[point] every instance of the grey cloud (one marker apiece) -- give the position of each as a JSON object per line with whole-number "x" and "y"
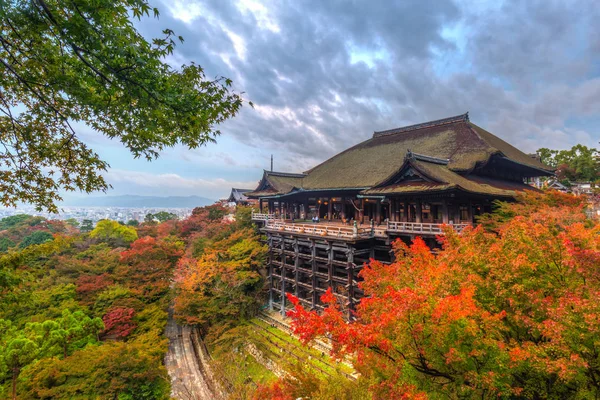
{"x": 524, "y": 69}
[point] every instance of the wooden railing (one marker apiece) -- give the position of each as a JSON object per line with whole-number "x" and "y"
{"x": 318, "y": 229}
{"x": 355, "y": 232}
{"x": 421, "y": 228}
{"x": 262, "y": 216}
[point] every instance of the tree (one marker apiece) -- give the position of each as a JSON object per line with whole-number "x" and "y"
{"x": 580, "y": 163}
{"x": 162, "y": 216}
{"x": 508, "y": 313}
{"x": 17, "y": 353}
{"x": 73, "y": 222}
{"x": 84, "y": 61}
{"x": 73, "y": 330}
{"x": 118, "y": 322}
{"x": 37, "y": 237}
{"x": 148, "y": 266}
{"x": 113, "y": 232}
{"x": 114, "y": 370}
{"x": 87, "y": 225}
{"x": 224, "y": 284}
{"x": 5, "y": 244}
{"x": 133, "y": 222}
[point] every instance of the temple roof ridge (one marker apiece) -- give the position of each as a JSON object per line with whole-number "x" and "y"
{"x": 422, "y": 157}
{"x": 444, "y": 121}
{"x": 285, "y": 174}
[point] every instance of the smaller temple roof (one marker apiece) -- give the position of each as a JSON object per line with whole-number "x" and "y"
{"x": 238, "y": 195}
{"x": 275, "y": 183}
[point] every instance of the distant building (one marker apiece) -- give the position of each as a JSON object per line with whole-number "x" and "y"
{"x": 556, "y": 185}
{"x": 238, "y": 197}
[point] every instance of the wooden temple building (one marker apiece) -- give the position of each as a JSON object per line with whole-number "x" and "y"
{"x": 238, "y": 196}
{"x": 324, "y": 224}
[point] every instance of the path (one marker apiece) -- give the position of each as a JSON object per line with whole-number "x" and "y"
{"x": 191, "y": 377}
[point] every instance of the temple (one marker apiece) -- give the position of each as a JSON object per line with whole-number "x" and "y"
{"x": 324, "y": 224}
{"x": 238, "y": 196}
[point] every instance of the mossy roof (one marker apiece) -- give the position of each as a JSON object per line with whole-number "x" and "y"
{"x": 276, "y": 183}
{"x": 463, "y": 144}
{"x": 438, "y": 177}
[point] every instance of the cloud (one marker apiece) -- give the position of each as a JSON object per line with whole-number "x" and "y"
{"x": 325, "y": 74}
{"x": 167, "y": 184}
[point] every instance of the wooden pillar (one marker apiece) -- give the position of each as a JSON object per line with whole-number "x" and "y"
{"x": 470, "y": 209}
{"x": 313, "y": 259}
{"x": 260, "y": 206}
{"x": 361, "y": 213}
{"x": 350, "y": 281}
{"x": 283, "y": 272}
{"x": 419, "y": 212}
{"x": 329, "y": 209}
{"x": 305, "y": 205}
{"x": 296, "y": 264}
{"x": 271, "y": 279}
{"x": 329, "y": 263}
{"x": 406, "y": 205}
{"x": 378, "y": 212}
{"x": 457, "y": 213}
{"x": 343, "y": 208}
{"x": 445, "y": 217}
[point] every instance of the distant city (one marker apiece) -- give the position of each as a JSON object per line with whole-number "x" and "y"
{"x": 95, "y": 214}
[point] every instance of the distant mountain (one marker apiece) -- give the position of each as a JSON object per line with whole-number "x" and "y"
{"x": 141, "y": 201}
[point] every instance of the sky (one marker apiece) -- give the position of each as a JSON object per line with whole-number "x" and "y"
{"x": 324, "y": 75}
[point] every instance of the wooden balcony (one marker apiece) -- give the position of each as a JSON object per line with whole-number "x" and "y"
{"x": 330, "y": 230}
{"x": 262, "y": 216}
{"x": 419, "y": 228}
{"x": 345, "y": 232}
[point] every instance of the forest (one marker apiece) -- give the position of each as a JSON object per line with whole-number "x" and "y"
{"x": 82, "y": 315}
{"x": 508, "y": 309}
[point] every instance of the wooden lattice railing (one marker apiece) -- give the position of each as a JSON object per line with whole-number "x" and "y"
{"x": 421, "y": 228}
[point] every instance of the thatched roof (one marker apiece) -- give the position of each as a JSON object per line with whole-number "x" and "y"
{"x": 463, "y": 146}
{"x": 276, "y": 183}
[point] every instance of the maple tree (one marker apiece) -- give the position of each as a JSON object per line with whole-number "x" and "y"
{"x": 118, "y": 322}
{"x": 224, "y": 284}
{"x": 513, "y": 311}
{"x": 148, "y": 265}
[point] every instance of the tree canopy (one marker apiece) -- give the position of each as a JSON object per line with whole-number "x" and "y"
{"x": 69, "y": 63}
{"x": 511, "y": 312}
{"x": 580, "y": 163}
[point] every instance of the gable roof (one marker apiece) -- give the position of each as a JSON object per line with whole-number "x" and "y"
{"x": 461, "y": 144}
{"x": 438, "y": 177}
{"x": 275, "y": 183}
{"x": 238, "y": 195}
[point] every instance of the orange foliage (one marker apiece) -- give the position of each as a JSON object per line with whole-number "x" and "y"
{"x": 493, "y": 314}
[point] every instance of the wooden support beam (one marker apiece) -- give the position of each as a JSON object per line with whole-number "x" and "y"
{"x": 313, "y": 258}
{"x": 470, "y": 211}
{"x": 419, "y": 212}
{"x": 350, "y": 268}
{"x": 361, "y": 213}
{"x": 445, "y": 217}
{"x": 283, "y": 272}
{"x": 329, "y": 209}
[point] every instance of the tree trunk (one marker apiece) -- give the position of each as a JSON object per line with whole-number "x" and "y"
{"x": 15, "y": 375}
